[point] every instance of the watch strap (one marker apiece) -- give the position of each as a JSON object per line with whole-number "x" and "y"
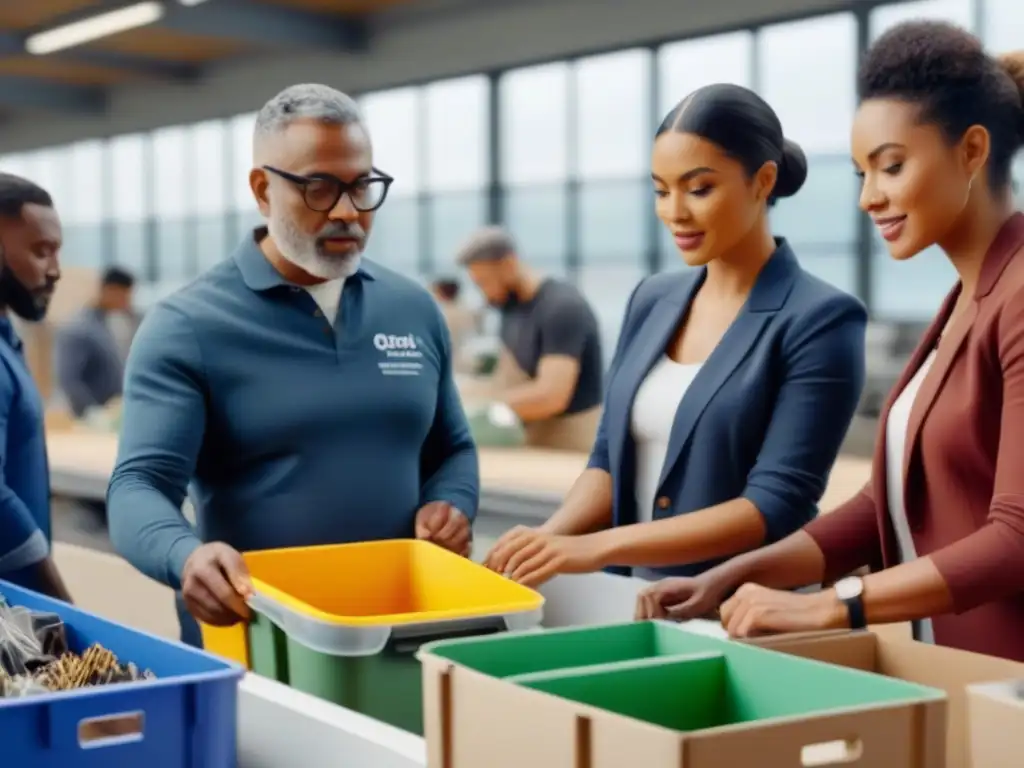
{"x": 855, "y": 607}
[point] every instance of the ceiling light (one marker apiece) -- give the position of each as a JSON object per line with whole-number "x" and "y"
{"x": 191, "y": 2}
{"x": 94, "y": 27}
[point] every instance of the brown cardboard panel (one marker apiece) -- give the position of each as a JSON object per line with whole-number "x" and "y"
{"x": 886, "y": 737}
{"x": 996, "y": 724}
{"x": 946, "y": 668}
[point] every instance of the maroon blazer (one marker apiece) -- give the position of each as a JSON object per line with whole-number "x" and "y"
{"x": 964, "y": 465}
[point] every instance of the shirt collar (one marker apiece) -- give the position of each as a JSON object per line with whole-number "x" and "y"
{"x": 259, "y": 274}
{"x": 8, "y": 335}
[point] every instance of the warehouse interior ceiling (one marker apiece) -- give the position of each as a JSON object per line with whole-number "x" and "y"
{"x": 184, "y": 38}
{"x": 206, "y": 59}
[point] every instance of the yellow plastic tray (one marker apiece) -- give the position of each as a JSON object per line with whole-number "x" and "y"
{"x": 374, "y": 584}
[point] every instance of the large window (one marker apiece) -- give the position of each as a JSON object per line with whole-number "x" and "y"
{"x": 244, "y": 213}
{"x": 819, "y": 54}
{"x": 173, "y": 188}
{"x": 84, "y": 209}
{"x": 129, "y": 198}
{"x": 394, "y": 119}
{"x": 534, "y": 161}
{"x": 456, "y": 159}
{"x": 209, "y": 192}
{"x": 1002, "y": 22}
{"x": 613, "y": 139}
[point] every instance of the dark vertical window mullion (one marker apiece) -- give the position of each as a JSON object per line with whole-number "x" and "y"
{"x": 495, "y": 196}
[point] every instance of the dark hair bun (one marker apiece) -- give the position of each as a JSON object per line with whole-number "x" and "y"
{"x": 1013, "y": 65}
{"x": 792, "y": 170}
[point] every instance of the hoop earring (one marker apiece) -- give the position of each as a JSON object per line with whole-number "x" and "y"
{"x": 970, "y": 185}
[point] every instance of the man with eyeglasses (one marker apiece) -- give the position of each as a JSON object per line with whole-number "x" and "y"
{"x": 305, "y": 392}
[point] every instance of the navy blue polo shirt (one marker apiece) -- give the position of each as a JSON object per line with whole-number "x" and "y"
{"x": 25, "y": 478}
{"x": 293, "y": 431}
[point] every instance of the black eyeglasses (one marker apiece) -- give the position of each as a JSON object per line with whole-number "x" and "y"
{"x": 323, "y": 191}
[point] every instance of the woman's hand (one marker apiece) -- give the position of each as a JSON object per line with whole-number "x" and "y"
{"x": 682, "y": 598}
{"x": 756, "y": 610}
{"x": 531, "y": 557}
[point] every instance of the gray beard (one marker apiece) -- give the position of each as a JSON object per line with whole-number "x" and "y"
{"x": 302, "y": 251}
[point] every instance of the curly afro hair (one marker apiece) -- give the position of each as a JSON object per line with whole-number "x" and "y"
{"x": 946, "y": 70}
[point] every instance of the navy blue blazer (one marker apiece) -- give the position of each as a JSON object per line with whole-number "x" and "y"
{"x": 767, "y": 412}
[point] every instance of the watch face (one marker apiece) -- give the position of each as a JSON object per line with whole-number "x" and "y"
{"x": 848, "y": 589}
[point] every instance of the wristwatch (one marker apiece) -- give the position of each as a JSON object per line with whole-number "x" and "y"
{"x": 851, "y": 592}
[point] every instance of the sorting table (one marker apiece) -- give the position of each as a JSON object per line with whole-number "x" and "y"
{"x": 518, "y": 485}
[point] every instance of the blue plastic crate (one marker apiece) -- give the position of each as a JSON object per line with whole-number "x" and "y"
{"x": 186, "y": 718}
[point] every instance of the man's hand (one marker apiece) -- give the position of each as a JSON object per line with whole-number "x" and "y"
{"x": 216, "y": 584}
{"x": 445, "y": 526}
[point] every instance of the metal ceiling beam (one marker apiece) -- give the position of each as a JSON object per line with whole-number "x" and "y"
{"x": 268, "y": 25}
{"x": 12, "y": 44}
{"x": 36, "y": 93}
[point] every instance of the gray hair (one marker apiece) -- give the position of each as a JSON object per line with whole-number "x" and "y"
{"x": 307, "y": 101}
{"x": 489, "y": 244}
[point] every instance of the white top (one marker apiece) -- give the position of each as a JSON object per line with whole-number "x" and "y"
{"x": 654, "y": 410}
{"x": 327, "y": 296}
{"x": 895, "y": 447}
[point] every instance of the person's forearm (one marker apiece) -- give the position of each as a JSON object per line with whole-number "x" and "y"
{"x": 719, "y": 531}
{"x": 50, "y": 581}
{"x": 794, "y": 562}
{"x": 915, "y": 590}
{"x": 532, "y": 401}
{"x": 457, "y": 481}
{"x": 148, "y": 529}
{"x": 586, "y": 508}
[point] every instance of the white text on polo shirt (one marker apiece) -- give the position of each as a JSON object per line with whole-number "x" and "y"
{"x": 402, "y": 353}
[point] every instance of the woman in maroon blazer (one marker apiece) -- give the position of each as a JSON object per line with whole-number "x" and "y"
{"x": 941, "y": 523}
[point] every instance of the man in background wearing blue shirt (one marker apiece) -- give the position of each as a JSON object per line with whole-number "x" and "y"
{"x": 30, "y": 241}
{"x": 305, "y": 392}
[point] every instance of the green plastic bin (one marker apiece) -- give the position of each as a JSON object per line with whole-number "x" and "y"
{"x": 524, "y": 653}
{"x": 713, "y": 689}
{"x": 386, "y": 686}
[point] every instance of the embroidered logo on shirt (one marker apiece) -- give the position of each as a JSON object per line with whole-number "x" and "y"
{"x": 401, "y": 354}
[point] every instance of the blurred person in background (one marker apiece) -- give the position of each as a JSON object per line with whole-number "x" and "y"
{"x": 305, "y": 391}
{"x": 91, "y": 348}
{"x": 940, "y": 524}
{"x": 550, "y": 369}
{"x": 463, "y": 323}
{"x": 732, "y": 385}
{"x": 30, "y": 242}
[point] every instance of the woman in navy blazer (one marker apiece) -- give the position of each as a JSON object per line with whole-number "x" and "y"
{"x": 732, "y": 385}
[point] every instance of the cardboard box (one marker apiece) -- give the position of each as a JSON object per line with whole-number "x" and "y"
{"x": 475, "y": 720}
{"x": 995, "y": 714}
{"x": 946, "y": 668}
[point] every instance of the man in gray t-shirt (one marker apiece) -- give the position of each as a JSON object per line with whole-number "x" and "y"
{"x": 551, "y": 369}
